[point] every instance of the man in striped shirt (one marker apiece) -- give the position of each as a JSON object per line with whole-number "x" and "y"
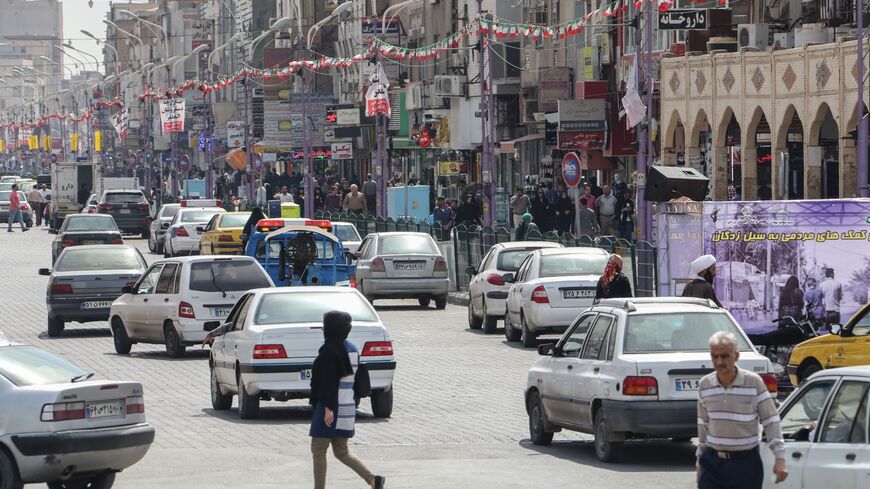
{"x": 731, "y": 403}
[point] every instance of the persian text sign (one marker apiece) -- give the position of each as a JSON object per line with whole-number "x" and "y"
{"x": 342, "y": 151}
{"x": 121, "y": 121}
{"x": 172, "y": 114}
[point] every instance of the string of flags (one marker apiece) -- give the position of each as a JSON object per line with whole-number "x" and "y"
{"x": 479, "y": 27}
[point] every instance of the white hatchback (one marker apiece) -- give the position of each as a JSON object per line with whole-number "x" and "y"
{"x": 185, "y": 230}
{"x": 267, "y": 347}
{"x": 630, "y": 368}
{"x": 487, "y": 290}
{"x": 551, "y": 287}
{"x": 177, "y": 301}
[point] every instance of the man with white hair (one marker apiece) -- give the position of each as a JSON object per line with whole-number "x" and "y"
{"x": 731, "y": 403}
{"x": 704, "y": 267}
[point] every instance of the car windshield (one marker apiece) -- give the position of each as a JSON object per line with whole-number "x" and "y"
{"x": 124, "y": 198}
{"x": 411, "y": 244}
{"x": 25, "y": 366}
{"x": 510, "y": 260}
{"x": 89, "y": 223}
{"x": 234, "y": 220}
{"x": 677, "y": 332}
{"x": 78, "y": 259}
{"x": 4, "y": 196}
{"x": 572, "y": 264}
{"x": 224, "y": 275}
{"x": 6, "y": 186}
{"x": 198, "y": 216}
{"x": 169, "y": 211}
{"x": 309, "y": 307}
{"x": 345, "y": 232}
{"x": 325, "y": 248}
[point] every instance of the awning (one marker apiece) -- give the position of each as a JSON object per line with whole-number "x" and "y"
{"x": 508, "y": 146}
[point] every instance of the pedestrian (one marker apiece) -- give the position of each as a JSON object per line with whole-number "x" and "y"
{"x": 519, "y": 205}
{"x": 607, "y": 207}
{"x": 596, "y": 190}
{"x": 525, "y": 227}
{"x": 469, "y": 213}
{"x": 590, "y": 199}
{"x": 564, "y": 213}
{"x": 626, "y": 216}
{"x": 613, "y": 284}
{"x": 15, "y": 210}
{"x": 542, "y": 211}
{"x": 704, "y": 268}
{"x": 815, "y": 300}
{"x": 37, "y": 202}
{"x": 791, "y": 299}
{"x": 260, "y": 200}
{"x": 731, "y": 403}
{"x": 354, "y": 201}
{"x": 370, "y": 191}
{"x": 588, "y": 220}
{"x": 318, "y": 199}
{"x": 251, "y": 226}
{"x": 84, "y": 193}
{"x": 332, "y": 395}
{"x": 285, "y": 195}
{"x": 443, "y": 215}
{"x": 833, "y": 292}
{"x": 332, "y": 201}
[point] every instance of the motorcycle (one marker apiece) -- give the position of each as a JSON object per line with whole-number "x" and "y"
{"x": 778, "y": 344}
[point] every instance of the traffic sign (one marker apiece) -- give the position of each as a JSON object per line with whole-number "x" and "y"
{"x": 571, "y": 169}
{"x": 184, "y": 163}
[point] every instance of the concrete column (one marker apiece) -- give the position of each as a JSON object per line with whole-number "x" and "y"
{"x": 779, "y": 190}
{"x": 848, "y": 168}
{"x": 812, "y": 172}
{"x": 719, "y": 172}
{"x": 749, "y": 183}
{"x": 669, "y": 157}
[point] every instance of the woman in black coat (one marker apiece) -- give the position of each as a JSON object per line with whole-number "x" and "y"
{"x": 564, "y": 213}
{"x": 613, "y": 284}
{"x": 469, "y": 212}
{"x": 251, "y": 226}
{"x": 542, "y": 211}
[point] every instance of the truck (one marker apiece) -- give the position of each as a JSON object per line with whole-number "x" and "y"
{"x": 67, "y": 179}
{"x": 115, "y": 183}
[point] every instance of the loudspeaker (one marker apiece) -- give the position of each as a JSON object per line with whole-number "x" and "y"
{"x": 664, "y": 181}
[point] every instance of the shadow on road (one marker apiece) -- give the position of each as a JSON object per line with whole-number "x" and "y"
{"x": 192, "y": 354}
{"x": 74, "y": 332}
{"x": 289, "y": 414}
{"x": 658, "y": 455}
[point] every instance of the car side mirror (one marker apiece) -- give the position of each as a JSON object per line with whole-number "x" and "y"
{"x": 547, "y": 349}
{"x": 127, "y": 289}
{"x": 836, "y": 329}
{"x": 93, "y": 202}
{"x": 52, "y": 231}
{"x": 200, "y": 229}
{"x": 470, "y": 271}
{"x": 211, "y": 325}
{"x": 165, "y": 225}
{"x": 508, "y": 278}
{"x": 351, "y": 256}
{"x": 45, "y": 271}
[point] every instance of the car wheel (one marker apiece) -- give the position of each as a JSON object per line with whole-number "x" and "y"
{"x": 249, "y": 406}
{"x": 424, "y": 301}
{"x": 123, "y": 345}
{"x": 810, "y": 369}
{"x": 489, "y": 322}
{"x": 9, "y": 478}
{"x": 102, "y": 481}
{"x": 219, "y": 400}
{"x": 537, "y": 424}
{"x": 606, "y": 449}
{"x": 382, "y": 403}
{"x": 55, "y": 327}
{"x": 173, "y": 344}
{"x": 152, "y": 244}
{"x": 441, "y": 302}
{"x": 528, "y": 339}
{"x": 158, "y": 246}
{"x": 473, "y": 321}
{"x": 510, "y": 333}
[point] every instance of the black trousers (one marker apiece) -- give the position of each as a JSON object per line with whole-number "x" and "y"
{"x": 737, "y": 473}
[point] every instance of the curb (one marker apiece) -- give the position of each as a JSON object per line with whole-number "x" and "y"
{"x": 458, "y": 298}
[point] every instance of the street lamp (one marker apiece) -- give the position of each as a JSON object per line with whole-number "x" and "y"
{"x": 128, "y": 34}
{"x": 104, "y": 43}
{"x": 69, "y": 45}
{"x": 393, "y": 8}
{"x": 276, "y": 26}
{"x": 181, "y": 59}
{"x": 221, "y": 48}
{"x": 49, "y": 60}
{"x": 338, "y": 12}
{"x": 151, "y": 26}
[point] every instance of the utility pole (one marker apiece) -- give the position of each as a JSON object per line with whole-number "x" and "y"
{"x": 862, "y": 173}
{"x": 308, "y": 200}
{"x": 646, "y": 149}
{"x": 487, "y": 127}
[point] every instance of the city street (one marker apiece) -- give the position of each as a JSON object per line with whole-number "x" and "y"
{"x": 458, "y": 420}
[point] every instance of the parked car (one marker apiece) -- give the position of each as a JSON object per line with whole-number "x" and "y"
{"x": 86, "y": 279}
{"x": 824, "y": 424}
{"x": 176, "y": 299}
{"x": 61, "y": 427}
{"x": 846, "y": 346}
{"x": 348, "y": 235}
{"x": 223, "y": 234}
{"x": 185, "y": 230}
{"x": 548, "y": 291}
{"x": 26, "y": 210}
{"x": 630, "y": 368}
{"x": 402, "y": 266}
{"x": 267, "y": 347}
{"x": 130, "y": 209}
{"x": 159, "y": 225}
{"x": 487, "y": 290}
{"x": 85, "y": 229}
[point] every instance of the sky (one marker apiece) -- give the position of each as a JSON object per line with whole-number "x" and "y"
{"x": 77, "y": 16}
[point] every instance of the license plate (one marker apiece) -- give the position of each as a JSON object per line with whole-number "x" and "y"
{"x": 96, "y": 305}
{"x": 578, "y": 293}
{"x": 305, "y": 375}
{"x": 125, "y": 211}
{"x": 686, "y": 384}
{"x": 92, "y": 242}
{"x": 409, "y": 266}
{"x": 104, "y": 409}
{"x": 220, "y": 312}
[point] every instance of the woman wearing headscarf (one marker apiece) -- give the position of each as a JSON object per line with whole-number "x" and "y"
{"x": 525, "y": 227}
{"x": 613, "y": 284}
{"x": 469, "y": 213}
{"x": 332, "y": 395}
{"x": 791, "y": 299}
{"x": 564, "y": 213}
{"x": 251, "y": 226}
{"x": 542, "y": 212}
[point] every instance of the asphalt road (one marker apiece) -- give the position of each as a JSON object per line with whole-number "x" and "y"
{"x": 458, "y": 419}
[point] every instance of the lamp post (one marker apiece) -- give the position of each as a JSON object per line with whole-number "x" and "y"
{"x": 128, "y": 34}
{"x": 69, "y": 46}
{"x": 153, "y": 27}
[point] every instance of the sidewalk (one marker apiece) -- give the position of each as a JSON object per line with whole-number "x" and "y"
{"x": 458, "y": 298}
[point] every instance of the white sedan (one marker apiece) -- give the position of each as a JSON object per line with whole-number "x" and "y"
{"x": 60, "y": 427}
{"x": 185, "y": 230}
{"x": 487, "y": 290}
{"x": 549, "y": 290}
{"x": 267, "y": 347}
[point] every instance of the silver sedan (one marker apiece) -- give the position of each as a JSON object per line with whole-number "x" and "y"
{"x": 402, "y": 266}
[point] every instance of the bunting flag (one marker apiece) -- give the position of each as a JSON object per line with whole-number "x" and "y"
{"x": 120, "y": 122}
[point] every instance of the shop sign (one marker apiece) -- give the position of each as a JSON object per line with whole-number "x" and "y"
{"x": 235, "y": 134}
{"x": 581, "y": 140}
{"x": 342, "y": 151}
{"x": 554, "y": 84}
{"x": 582, "y": 115}
{"x": 685, "y": 19}
{"x": 315, "y": 153}
{"x": 448, "y": 168}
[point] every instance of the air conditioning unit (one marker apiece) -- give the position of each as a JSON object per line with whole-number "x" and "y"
{"x": 449, "y": 86}
{"x": 783, "y": 40}
{"x": 812, "y": 34}
{"x": 414, "y": 97}
{"x": 753, "y": 35}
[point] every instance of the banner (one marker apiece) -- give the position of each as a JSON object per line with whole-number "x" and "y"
{"x": 98, "y": 141}
{"x": 635, "y": 110}
{"x": 172, "y": 114}
{"x": 235, "y": 134}
{"x": 121, "y": 121}
{"x": 377, "y": 99}
{"x": 74, "y": 141}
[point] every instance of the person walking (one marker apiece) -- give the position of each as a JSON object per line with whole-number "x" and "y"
{"x": 332, "y": 201}
{"x": 37, "y": 201}
{"x": 443, "y": 216}
{"x": 519, "y": 205}
{"x": 542, "y": 211}
{"x": 607, "y": 206}
{"x": 626, "y": 216}
{"x": 833, "y": 292}
{"x": 354, "y": 201}
{"x": 564, "y": 213}
{"x": 370, "y": 191}
{"x": 251, "y": 226}
{"x": 815, "y": 300}
{"x": 285, "y": 195}
{"x": 526, "y": 226}
{"x": 731, "y": 403}
{"x": 15, "y": 210}
{"x": 260, "y": 198}
{"x": 332, "y": 395}
{"x": 704, "y": 267}
{"x": 469, "y": 213}
{"x": 587, "y": 194}
{"x": 613, "y": 284}
{"x": 791, "y": 299}
{"x": 588, "y": 222}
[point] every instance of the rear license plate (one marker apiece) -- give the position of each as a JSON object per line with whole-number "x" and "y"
{"x": 412, "y": 265}
{"x": 686, "y": 384}
{"x": 104, "y": 409}
{"x": 125, "y": 211}
{"x": 578, "y": 293}
{"x": 97, "y": 305}
{"x": 305, "y": 375}
{"x": 220, "y": 312}
{"x": 92, "y": 242}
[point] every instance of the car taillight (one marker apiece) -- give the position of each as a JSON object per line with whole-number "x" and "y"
{"x": 640, "y": 386}
{"x": 143, "y": 207}
{"x": 378, "y": 265}
{"x": 180, "y": 231}
{"x": 185, "y": 310}
{"x": 61, "y": 289}
{"x": 495, "y": 279}
{"x": 225, "y": 237}
{"x": 63, "y": 411}
{"x": 352, "y": 279}
{"x": 539, "y": 295}
{"x": 770, "y": 382}
{"x": 135, "y": 405}
{"x": 104, "y": 207}
{"x": 67, "y": 242}
{"x": 262, "y": 352}
{"x": 91, "y": 210}
{"x": 117, "y": 241}
{"x": 377, "y": 349}
{"x": 23, "y": 207}
{"x": 440, "y": 264}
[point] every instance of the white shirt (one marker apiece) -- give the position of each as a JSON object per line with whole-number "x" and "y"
{"x": 833, "y": 294}
{"x": 261, "y": 195}
{"x": 288, "y": 197}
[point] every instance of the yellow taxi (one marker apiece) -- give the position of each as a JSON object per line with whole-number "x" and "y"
{"x": 223, "y": 234}
{"x": 846, "y": 346}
